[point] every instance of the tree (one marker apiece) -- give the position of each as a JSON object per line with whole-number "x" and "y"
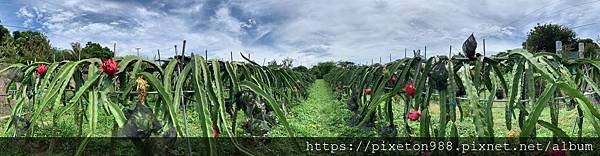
{"x": 542, "y": 38}
{"x": 8, "y": 51}
{"x": 31, "y": 45}
{"x": 75, "y": 50}
{"x": 95, "y": 50}
{"x": 301, "y": 69}
{"x": 322, "y": 68}
{"x": 4, "y": 34}
{"x": 62, "y": 54}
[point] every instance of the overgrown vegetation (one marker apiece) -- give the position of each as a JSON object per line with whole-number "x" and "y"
{"x": 23, "y": 46}
{"x": 466, "y": 89}
{"x": 220, "y": 91}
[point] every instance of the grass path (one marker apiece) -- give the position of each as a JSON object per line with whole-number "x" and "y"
{"x": 321, "y": 115}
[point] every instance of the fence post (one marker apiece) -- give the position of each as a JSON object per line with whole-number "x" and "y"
{"x": 484, "y": 47}
{"x": 450, "y": 53}
{"x": 581, "y": 50}
{"x": 176, "y": 52}
{"x": 158, "y": 53}
{"x": 425, "y": 52}
{"x": 558, "y": 46}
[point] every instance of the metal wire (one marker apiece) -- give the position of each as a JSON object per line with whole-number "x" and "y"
{"x": 434, "y": 94}
{"x": 556, "y": 98}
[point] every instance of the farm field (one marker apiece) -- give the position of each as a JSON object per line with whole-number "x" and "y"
{"x": 321, "y": 115}
{"x": 210, "y": 100}
{"x": 337, "y": 77}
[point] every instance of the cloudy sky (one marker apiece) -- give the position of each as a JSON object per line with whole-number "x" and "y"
{"x": 308, "y": 31}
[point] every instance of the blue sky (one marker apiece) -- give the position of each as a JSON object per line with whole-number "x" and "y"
{"x": 308, "y": 31}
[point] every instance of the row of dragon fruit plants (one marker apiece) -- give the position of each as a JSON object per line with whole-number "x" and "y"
{"x": 118, "y": 88}
{"x": 467, "y": 87}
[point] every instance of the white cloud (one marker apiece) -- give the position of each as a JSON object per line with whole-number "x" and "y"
{"x": 309, "y": 31}
{"x": 224, "y": 22}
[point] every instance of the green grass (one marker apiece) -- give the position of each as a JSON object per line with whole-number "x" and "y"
{"x": 321, "y": 115}
{"x": 566, "y": 119}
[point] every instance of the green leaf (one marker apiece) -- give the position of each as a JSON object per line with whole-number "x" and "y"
{"x": 221, "y": 102}
{"x": 166, "y": 97}
{"x": 131, "y": 82}
{"x": 92, "y": 110}
{"x": 168, "y": 78}
{"x": 473, "y": 98}
{"x": 114, "y": 109}
{"x": 253, "y": 87}
{"x": 514, "y": 94}
{"x": 555, "y": 130}
{"x": 202, "y": 106}
{"x": 92, "y": 79}
{"x": 83, "y": 144}
{"x": 537, "y": 111}
{"x": 443, "y": 113}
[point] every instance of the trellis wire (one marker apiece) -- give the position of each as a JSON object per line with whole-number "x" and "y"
{"x": 191, "y": 91}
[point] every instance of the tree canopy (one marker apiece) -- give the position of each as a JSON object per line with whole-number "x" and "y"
{"x": 23, "y": 46}
{"x": 95, "y": 50}
{"x": 322, "y": 68}
{"x": 26, "y": 46}
{"x": 301, "y": 69}
{"x": 542, "y": 38}
{"x": 4, "y": 33}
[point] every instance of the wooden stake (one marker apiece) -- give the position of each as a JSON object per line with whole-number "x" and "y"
{"x": 183, "y": 49}
{"x": 175, "y": 51}
{"x": 425, "y": 52}
{"x": 450, "y": 54}
{"x": 158, "y": 51}
{"x": 484, "y": 47}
